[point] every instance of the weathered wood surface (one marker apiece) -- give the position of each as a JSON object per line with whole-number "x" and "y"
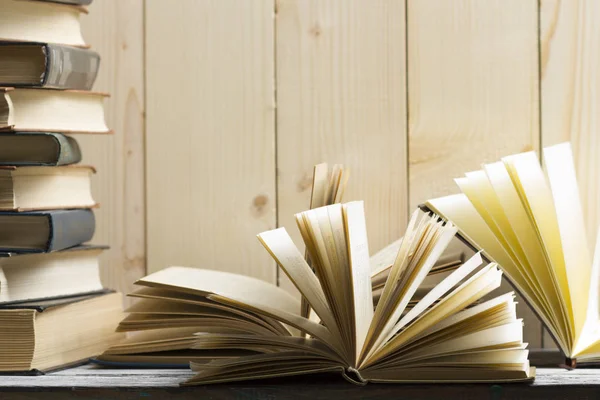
{"x": 97, "y": 383}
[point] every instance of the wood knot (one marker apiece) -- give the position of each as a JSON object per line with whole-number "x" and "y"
{"x": 316, "y": 30}
{"x": 304, "y": 183}
{"x": 259, "y": 205}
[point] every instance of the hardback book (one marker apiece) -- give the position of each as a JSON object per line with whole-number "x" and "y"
{"x": 531, "y": 223}
{"x": 45, "y": 65}
{"x": 43, "y": 336}
{"x": 40, "y": 21}
{"x": 38, "y": 149}
{"x": 41, "y": 110}
{"x": 443, "y": 338}
{"x": 46, "y": 188}
{"x": 31, "y": 277}
{"x": 45, "y": 231}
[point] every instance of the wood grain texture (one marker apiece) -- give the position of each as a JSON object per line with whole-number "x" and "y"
{"x": 570, "y": 67}
{"x": 472, "y": 93}
{"x": 210, "y": 134}
{"x": 115, "y": 30}
{"x": 341, "y": 99}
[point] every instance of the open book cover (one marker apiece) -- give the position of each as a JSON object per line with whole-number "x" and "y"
{"x": 241, "y": 328}
{"x": 531, "y": 223}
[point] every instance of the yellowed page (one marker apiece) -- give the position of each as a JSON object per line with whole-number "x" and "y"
{"x": 481, "y": 193}
{"x": 312, "y": 328}
{"x": 325, "y": 260}
{"x": 204, "y": 281}
{"x": 458, "y": 209}
{"x": 345, "y": 176}
{"x": 563, "y": 184}
{"x": 358, "y": 251}
{"x": 279, "y": 244}
{"x": 319, "y": 185}
{"x": 527, "y": 235}
{"x": 529, "y": 180}
{"x": 446, "y": 233}
{"x": 438, "y": 291}
{"x": 470, "y": 186}
{"x": 384, "y": 258}
{"x": 589, "y": 343}
{"x": 485, "y": 280}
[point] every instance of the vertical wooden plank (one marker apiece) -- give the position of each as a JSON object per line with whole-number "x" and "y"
{"x": 116, "y": 31}
{"x": 570, "y": 67}
{"x": 570, "y": 46}
{"x": 210, "y": 134}
{"x": 341, "y": 99}
{"x": 472, "y": 93}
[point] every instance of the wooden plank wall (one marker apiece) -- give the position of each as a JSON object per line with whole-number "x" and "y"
{"x": 468, "y": 101}
{"x": 243, "y": 97}
{"x": 116, "y": 30}
{"x": 341, "y": 98}
{"x": 210, "y": 134}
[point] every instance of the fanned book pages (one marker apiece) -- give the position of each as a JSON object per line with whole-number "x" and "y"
{"x": 531, "y": 223}
{"x": 240, "y": 328}
{"x": 327, "y": 188}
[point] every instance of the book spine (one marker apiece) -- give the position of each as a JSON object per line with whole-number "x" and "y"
{"x": 69, "y": 151}
{"x": 69, "y": 228}
{"x": 70, "y": 67}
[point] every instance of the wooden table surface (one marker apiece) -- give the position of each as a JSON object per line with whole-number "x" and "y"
{"x": 90, "y": 382}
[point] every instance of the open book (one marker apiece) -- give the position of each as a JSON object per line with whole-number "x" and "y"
{"x": 532, "y": 224}
{"x": 248, "y": 329}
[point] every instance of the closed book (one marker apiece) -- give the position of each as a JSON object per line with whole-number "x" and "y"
{"x": 45, "y": 188}
{"x": 41, "y": 21}
{"x": 44, "y": 336}
{"x": 41, "y": 110}
{"x": 38, "y": 149}
{"x": 41, "y": 276}
{"x": 45, "y": 231}
{"x": 52, "y": 66}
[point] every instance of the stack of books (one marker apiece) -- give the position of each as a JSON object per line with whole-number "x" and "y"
{"x": 54, "y": 310}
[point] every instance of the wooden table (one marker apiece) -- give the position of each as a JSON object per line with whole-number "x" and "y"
{"x": 90, "y": 382}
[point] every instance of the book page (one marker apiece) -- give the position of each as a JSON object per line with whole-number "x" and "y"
{"x": 563, "y": 184}
{"x": 281, "y": 247}
{"x": 204, "y": 281}
{"x": 358, "y": 254}
{"x": 481, "y": 194}
{"x": 384, "y": 258}
{"x": 530, "y": 183}
{"x": 434, "y": 243}
{"x": 458, "y": 209}
{"x": 320, "y": 184}
{"x": 524, "y": 228}
{"x": 483, "y": 282}
{"x": 438, "y": 291}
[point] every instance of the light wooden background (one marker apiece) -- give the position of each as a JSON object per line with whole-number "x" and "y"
{"x": 222, "y": 107}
